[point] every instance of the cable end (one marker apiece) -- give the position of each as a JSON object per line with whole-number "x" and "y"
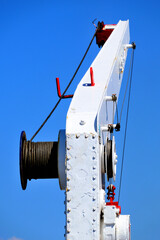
{"x": 133, "y": 45}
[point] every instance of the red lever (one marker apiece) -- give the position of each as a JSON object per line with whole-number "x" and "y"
{"x": 59, "y": 90}
{"x": 92, "y": 77}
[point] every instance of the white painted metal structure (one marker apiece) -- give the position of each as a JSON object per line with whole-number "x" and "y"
{"x": 88, "y": 117}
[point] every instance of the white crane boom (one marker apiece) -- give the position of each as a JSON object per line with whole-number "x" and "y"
{"x": 86, "y": 150}
{"x": 86, "y": 118}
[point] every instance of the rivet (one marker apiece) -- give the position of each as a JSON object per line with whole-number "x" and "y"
{"x": 77, "y": 135}
{"x": 94, "y": 178}
{"x": 93, "y": 147}
{"x": 82, "y": 122}
{"x": 94, "y": 168}
{"x": 67, "y": 189}
{"x": 93, "y": 158}
{"x": 86, "y": 135}
{"x": 68, "y": 210}
{"x": 94, "y": 209}
{"x": 93, "y": 189}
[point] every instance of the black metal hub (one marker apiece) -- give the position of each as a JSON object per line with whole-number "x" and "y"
{"x": 109, "y": 160}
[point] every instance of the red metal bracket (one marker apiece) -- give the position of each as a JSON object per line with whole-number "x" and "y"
{"x": 110, "y": 196}
{"x": 114, "y": 204}
{"x": 59, "y": 90}
{"x": 92, "y": 77}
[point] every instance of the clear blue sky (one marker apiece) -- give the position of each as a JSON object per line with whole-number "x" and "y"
{"x": 40, "y": 40}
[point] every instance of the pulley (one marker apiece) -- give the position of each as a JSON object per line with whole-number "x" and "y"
{"x": 42, "y": 160}
{"x": 109, "y": 158}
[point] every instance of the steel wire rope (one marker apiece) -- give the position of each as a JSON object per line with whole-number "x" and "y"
{"x": 129, "y": 74}
{"x": 119, "y": 118}
{"x": 117, "y": 112}
{"x": 65, "y": 89}
{"x": 125, "y": 133}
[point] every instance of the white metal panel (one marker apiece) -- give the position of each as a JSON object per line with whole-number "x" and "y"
{"x": 83, "y": 196}
{"x": 109, "y": 223}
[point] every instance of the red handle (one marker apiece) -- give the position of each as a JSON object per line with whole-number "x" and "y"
{"x": 59, "y": 90}
{"x": 92, "y": 77}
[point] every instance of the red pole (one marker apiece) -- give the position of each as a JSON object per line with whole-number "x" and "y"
{"x": 92, "y": 77}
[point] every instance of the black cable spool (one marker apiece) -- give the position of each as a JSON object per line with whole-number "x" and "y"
{"x": 38, "y": 160}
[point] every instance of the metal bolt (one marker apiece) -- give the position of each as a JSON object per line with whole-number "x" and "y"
{"x": 67, "y": 189}
{"x": 114, "y": 97}
{"x": 82, "y": 122}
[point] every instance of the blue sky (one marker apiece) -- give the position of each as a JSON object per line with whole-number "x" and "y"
{"x": 39, "y": 41}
